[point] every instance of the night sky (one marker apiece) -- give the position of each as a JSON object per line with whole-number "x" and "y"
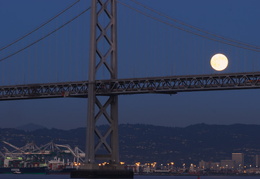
{"x": 140, "y": 43}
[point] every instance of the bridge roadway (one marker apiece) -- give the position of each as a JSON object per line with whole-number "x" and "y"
{"x": 160, "y": 85}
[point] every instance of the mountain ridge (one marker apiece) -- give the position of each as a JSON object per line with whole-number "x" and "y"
{"x": 149, "y": 143}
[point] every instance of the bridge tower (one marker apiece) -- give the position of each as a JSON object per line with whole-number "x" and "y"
{"x": 103, "y": 33}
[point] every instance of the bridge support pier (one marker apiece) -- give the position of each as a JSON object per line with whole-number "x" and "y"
{"x": 102, "y": 155}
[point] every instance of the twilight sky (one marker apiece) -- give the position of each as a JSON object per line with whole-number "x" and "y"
{"x": 146, "y": 48}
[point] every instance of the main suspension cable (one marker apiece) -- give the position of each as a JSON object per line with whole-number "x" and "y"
{"x": 40, "y": 26}
{"x": 189, "y": 31}
{"x": 55, "y": 30}
{"x": 193, "y": 27}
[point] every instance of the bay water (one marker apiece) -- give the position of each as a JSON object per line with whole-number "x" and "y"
{"x": 33, "y": 176}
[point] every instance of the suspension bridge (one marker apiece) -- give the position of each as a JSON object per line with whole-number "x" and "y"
{"x": 37, "y": 76}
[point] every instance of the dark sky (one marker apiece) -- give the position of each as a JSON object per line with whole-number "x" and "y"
{"x": 146, "y": 48}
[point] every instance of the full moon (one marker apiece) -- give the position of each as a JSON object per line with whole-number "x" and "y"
{"x": 219, "y": 62}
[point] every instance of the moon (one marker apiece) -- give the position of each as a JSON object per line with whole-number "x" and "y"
{"x": 219, "y": 62}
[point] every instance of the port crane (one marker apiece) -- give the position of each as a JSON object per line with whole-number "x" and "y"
{"x": 47, "y": 149}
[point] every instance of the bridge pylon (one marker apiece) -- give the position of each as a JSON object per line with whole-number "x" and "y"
{"x": 103, "y": 55}
{"x": 102, "y": 145}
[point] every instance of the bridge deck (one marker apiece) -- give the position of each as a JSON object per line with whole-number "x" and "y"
{"x": 162, "y": 85}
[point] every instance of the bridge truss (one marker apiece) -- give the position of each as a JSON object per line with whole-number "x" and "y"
{"x": 156, "y": 85}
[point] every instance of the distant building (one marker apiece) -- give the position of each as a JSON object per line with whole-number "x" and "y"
{"x": 239, "y": 160}
{"x": 215, "y": 166}
{"x": 257, "y": 161}
{"x": 209, "y": 165}
{"x": 227, "y": 164}
{"x": 204, "y": 165}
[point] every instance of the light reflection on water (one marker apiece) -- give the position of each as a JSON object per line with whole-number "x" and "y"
{"x": 32, "y": 176}
{"x": 196, "y": 177}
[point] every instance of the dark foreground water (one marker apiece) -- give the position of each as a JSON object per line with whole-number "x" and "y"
{"x": 32, "y": 176}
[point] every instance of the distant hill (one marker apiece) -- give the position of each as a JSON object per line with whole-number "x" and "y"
{"x": 148, "y": 143}
{"x": 30, "y": 127}
{"x": 190, "y": 144}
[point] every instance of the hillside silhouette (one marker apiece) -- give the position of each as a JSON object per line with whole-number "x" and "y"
{"x": 149, "y": 143}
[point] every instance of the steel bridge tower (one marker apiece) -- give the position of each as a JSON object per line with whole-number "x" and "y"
{"x": 102, "y": 146}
